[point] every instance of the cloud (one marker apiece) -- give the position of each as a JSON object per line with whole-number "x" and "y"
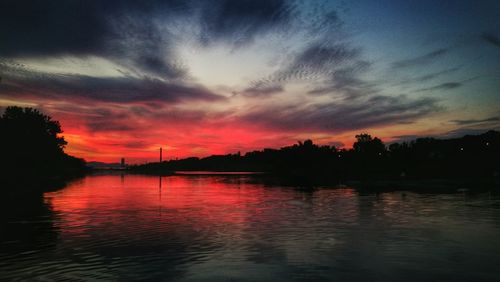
{"x": 421, "y": 60}
{"x": 133, "y": 122}
{"x": 460, "y": 132}
{"x": 491, "y": 38}
{"x": 335, "y": 68}
{"x": 405, "y": 138}
{"x": 431, "y": 76}
{"x": 139, "y": 34}
{"x": 21, "y": 82}
{"x": 442, "y": 86}
{"x": 347, "y": 80}
{"x": 108, "y": 126}
{"x": 119, "y": 30}
{"x": 237, "y": 22}
{"x": 475, "y": 121}
{"x": 333, "y": 117}
{"x": 318, "y": 61}
{"x": 142, "y": 35}
{"x": 134, "y": 118}
{"x": 260, "y": 89}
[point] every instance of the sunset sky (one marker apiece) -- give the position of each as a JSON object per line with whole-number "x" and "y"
{"x": 213, "y": 77}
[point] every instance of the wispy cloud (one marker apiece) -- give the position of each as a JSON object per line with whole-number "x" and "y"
{"x": 124, "y": 31}
{"x": 431, "y": 75}
{"x": 261, "y": 89}
{"x": 318, "y": 61}
{"x": 238, "y": 22}
{"x": 475, "y": 121}
{"x": 459, "y": 132}
{"x": 491, "y": 38}
{"x": 21, "y": 82}
{"x": 139, "y": 34}
{"x": 332, "y": 68}
{"x": 333, "y": 117}
{"x": 421, "y": 60}
{"x": 442, "y": 86}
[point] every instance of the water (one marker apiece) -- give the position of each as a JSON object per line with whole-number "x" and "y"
{"x": 232, "y": 228}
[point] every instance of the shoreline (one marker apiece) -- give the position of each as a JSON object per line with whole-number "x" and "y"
{"x": 427, "y": 185}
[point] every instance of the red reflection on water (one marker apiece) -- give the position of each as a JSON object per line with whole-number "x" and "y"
{"x": 195, "y": 200}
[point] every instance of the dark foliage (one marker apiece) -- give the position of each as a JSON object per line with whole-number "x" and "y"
{"x": 424, "y": 158}
{"x": 31, "y": 149}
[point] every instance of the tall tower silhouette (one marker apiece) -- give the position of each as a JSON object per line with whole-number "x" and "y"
{"x": 161, "y": 154}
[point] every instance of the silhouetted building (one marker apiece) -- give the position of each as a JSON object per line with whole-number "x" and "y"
{"x": 122, "y": 162}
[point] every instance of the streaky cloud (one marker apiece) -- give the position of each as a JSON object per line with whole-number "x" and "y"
{"x": 476, "y": 121}
{"x": 338, "y": 117}
{"x": 442, "y": 86}
{"x": 421, "y": 60}
{"x": 431, "y": 76}
{"x": 24, "y": 82}
{"x": 335, "y": 68}
{"x": 491, "y": 38}
{"x": 238, "y": 22}
{"x": 261, "y": 89}
{"x": 119, "y": 30}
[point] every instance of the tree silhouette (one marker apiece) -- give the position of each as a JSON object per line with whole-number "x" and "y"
{"x": 367, "y": 145}
{"x": 31, "y": 146}
{"x": 30, "y": 127}
{"x": 423, "y": 158}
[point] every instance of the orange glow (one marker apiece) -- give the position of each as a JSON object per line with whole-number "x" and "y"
{"x": 110, "y": 132}
{"x": 178, "y": 139}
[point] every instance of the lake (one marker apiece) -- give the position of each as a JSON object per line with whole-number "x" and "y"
{"x": 239, "y": 228}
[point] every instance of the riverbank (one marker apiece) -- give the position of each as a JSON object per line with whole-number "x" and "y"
{"x": 380, "y": 184}
{"x": 18, "y": 186}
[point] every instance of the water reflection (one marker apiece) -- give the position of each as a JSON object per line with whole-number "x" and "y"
{"x": 200, "y": 227}
{"x": 26, "y": 223}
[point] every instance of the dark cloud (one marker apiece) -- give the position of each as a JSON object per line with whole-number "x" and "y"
{"x": 476, "y": 121}
{"x": 421, "y": 60}
{"x": 119, "y": 30}
{"x": 406, "y": 138}
{"x": 317, "y": 57}
{"x": 318, "y": 61}
{"x": 491, "y": 38}
{"x": 431, "y": 76}
{"x": 335, "y": 68}
{"x": 132, "y": 118}
{"x": 332, "y": 117}
{"x": 260, "y": 89}
{"x": 442, "y": 86}
{"x": 108, "y": 125}
{"x": 237, "y": 22}
{"x": 460, "y": 132}
{"x": 40, "y": 28}
{"x": 134, "y": 33}
{"x": 23, "y": 82}
{"x": 346, "y": 81}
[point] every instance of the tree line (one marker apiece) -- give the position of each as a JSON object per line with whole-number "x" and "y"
{"x": 370, "y": 158}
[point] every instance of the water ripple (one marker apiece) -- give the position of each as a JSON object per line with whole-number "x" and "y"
{"x": 206, "y": 228}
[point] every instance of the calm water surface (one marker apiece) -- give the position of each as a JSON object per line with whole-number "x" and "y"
{"x": 232, "y": 228}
